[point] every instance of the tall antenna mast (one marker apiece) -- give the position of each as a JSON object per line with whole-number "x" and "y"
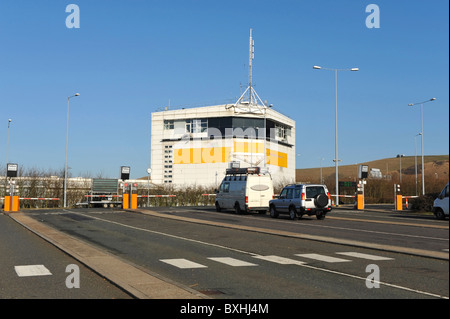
{"x": 251, "y": 57}
{"x": 253, "y": 105}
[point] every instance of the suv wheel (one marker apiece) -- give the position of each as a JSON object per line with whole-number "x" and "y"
{"x": 273, "y": 212}
{"x": 218, "y": 209}
{"x": 321, "y": 200}
{"x": 292, "y": 213}
{"x": 320, "y": 215}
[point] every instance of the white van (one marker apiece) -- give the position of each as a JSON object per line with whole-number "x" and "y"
{"x": 440, "y": 205}
{"x": 245, "y": 190}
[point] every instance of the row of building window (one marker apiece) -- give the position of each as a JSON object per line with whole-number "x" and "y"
{"x": 190, "y": 126}
{"x": 201, "y": 125}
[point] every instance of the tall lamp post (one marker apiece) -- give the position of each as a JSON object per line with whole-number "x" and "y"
{"x": 7, "y": 143}
{"x": 400, "y": 156}
{"x": 7, "y": 153}
{"x": 415, "y": 157}
{"x": 336, "y": 160}
{"x": 421, "y": 135}
{"x": 67, "y": 148}
{"x": 149, "y": 171}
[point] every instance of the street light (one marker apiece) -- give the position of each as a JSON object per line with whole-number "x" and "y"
{"x": 7, "y": 142}
{"x": 336, "y": 160}
{"x": 67, "y": 147}
{"x": 400, "y": 156}
{"x": 421, "y": 133}
{"x": 415, "y": 157}
{"x": 149, "y": 171}
{"x": 321, "y": 179}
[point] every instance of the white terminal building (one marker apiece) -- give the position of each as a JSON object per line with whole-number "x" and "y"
{"x": 195, "y": 146}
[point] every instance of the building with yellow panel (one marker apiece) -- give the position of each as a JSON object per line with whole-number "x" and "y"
{"x": 194, "y": 146}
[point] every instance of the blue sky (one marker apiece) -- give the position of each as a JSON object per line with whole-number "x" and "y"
{"x": 129, "y": 58}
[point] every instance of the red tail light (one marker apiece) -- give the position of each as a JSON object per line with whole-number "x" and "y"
{"x": 303, "y": 196}
{"x": 246, "y": 199}
{"x": 329, "y": 197}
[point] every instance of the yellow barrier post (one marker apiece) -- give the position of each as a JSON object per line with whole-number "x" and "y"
{"x": 7, "y": 204}
{"x": 15, "y": 204}
{"x": 359, "y": 201}
{"x": 399, "y": 202}
{"x": 134, "y": 198}
{"x": 125, "y": 201}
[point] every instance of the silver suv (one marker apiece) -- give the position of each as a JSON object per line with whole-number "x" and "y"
{"x": 300, "y": 199}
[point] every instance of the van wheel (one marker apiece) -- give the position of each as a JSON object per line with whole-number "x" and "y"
{"x": 273, "y": 212}
{"x": 292, "y": 213}
{"x": 237, "y": 209}
{"x": 439, "y": 214}
{"x": 218, "y": 209}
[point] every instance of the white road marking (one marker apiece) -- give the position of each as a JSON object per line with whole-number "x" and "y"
{"x": 232, "y": 262}
{"x": 379, "y": 282}
{"x": 327, "y": 259}
{"x": 364, "y": 256}
{"x": 280, "y": 260}
{"x": 32, "y": 270}
{"x": 183, "y": 263}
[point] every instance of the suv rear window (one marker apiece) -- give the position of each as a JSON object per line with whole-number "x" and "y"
{"x": 313, "y": 191}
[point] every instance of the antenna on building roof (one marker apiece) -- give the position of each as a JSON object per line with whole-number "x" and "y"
{"x": 252, "y": 104}
{"x": 251, "y": 57}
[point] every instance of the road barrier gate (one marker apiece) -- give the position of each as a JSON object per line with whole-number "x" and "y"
{"x": 129, "y": 196}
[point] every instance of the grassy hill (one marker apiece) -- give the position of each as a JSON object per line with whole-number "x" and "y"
{"x": 436, "y": 172}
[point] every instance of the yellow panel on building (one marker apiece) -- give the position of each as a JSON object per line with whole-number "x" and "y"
{"x": 202, "y": 155}
{"x": 277, "y": 158}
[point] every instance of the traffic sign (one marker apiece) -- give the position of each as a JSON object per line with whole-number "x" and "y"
{"x": 347, "y": 184}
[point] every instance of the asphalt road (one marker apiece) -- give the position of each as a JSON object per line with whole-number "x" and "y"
{"x": 222, "y": 255}
{"x": 31, "y": 268}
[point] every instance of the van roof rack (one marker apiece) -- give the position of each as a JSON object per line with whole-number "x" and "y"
{"x": 245, "y": 170}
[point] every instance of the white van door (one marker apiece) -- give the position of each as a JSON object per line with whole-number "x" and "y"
{"x": 237, "y": 193}
{"x": 259, "y": 191}
{"x": 224, "y": 194}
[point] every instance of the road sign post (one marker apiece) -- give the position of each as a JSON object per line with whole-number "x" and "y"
{"x": 360, "y": 196}
{"x": 398, "y": 197}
